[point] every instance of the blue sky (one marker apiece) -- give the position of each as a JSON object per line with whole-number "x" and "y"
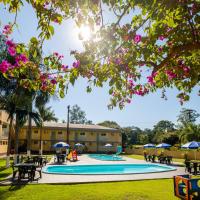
{"x": 143, "y": 112}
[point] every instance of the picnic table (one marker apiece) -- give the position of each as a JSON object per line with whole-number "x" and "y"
{"x": 60, "y": 158}
{"x": 195, "y": 166}
{"x": 25, "y": 169}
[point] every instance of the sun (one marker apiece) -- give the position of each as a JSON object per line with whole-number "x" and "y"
{"x": 84, "y": 32}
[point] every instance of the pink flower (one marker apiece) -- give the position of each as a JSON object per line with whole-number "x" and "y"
{"x": 171, "y": 75}
{"x": 4, "y": 66}
{"x": 53, "y": 81}
{"x": 128, "y": 100}
{"x": 161, "y": 37}
{"x": 64, "y": 67}
{"x": 186, "y": 69}
{"x": 21, "y": 58}
{"x": 137, "y": 38}
{"x": 12, "y": 51}
{"x": 160, "y": 49}
{"x": 151, "y": 80}
{"x": 7, "y": 30}
{"x": 76, "y": 64}
{"x": 169, "y": 43}
{"x": 118, "y": 61}
{"x": 10, "y": 43}
{"x": 56, "y": 54}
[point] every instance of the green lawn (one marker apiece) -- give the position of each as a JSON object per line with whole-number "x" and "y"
{"x": 3, "y": 171}
{"x": 140, "y": 157}
{"x": 132, "y": 190}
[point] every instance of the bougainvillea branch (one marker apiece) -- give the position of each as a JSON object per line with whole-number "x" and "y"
{"x": 149, "y": 45}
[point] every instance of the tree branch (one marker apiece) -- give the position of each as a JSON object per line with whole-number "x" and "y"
{"x": 180, "y": 50}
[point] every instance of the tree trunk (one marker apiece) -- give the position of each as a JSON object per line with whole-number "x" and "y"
{"x": 41, "y": 142}
{"x": 29, "y": 135}
{"x": 16, "y": 139}
{"x": 9, "y": 142}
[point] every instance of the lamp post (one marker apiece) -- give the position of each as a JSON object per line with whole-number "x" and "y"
{"x": 68, "y": 108}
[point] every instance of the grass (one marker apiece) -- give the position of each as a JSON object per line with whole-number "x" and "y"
{"x": 4, "y": 172}
{"x": 140, "y": 157}
{"x": 132, "y": 190}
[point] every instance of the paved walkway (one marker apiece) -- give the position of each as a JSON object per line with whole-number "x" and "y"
{"x": 84, "y": 159}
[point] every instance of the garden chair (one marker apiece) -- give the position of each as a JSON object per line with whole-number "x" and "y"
{"x": 195, "y": 166}
{"x": 145, "y": 156}
{"x": 188, "y": 167}
{"x": 186, "y": 188}
{"x": 153, "y": 158}
{"x": 15, "y": 171}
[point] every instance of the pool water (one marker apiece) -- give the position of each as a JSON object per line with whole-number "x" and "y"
{"x": 111, "y": 157}
{"x": 107, "y": 169}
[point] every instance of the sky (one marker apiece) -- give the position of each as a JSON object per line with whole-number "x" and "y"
{"x": 143, "y": 112}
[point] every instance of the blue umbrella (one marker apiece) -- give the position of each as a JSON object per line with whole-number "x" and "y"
{"x": 61, "y": 145}
{"x": 163, "y": 145}
{"x": 146, "y": 146}
{"x": 191, "y": 145}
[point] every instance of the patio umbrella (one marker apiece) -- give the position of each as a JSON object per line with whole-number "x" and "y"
{"x": 191, "y": 145}
{"x": 149, "y": 146}
{"x": 163, "y": 145}
{"x": 146, "y": 146}
{"x": 108, "y": 145}
{"x": 78, "y": 144}
{"x": 61, "y": 145}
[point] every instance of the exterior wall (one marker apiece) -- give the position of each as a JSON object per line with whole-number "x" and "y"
{"x": 93, "y": 140}
{"x": 4, "y": 128}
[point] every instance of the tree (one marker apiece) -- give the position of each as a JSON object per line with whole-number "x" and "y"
{"x": 164, "y": 126}
{"x": 46, "y": 114}
{"x": 131, "y": 134}
{"x": 187, "y": 116}
{"x": 189, "y": 132}
{"x": 161, "y": 39}
{"x": 78, "y": 116}
{"x": 110, "y": 124}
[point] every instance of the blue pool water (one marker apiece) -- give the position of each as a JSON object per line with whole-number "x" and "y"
{"x": 107, "y": 169}
{"x": 110, "y": 157}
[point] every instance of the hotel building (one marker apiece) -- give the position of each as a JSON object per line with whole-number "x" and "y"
{"x": 93, "y": 137}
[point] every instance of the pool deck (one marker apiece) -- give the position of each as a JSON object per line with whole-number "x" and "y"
{"x": 84, "y": 159}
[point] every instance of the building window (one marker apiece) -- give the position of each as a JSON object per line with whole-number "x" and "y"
{"x": 82, "y": 133}
{"x": 44, "y": 142}
{"x": 90, "y": 143}
{"x": 103, "y": 134}
{"x": 91, "y": 133}
{"x": 60, "y": 132}
{"x": 35, "y": 142}
{"x": 4, "y": 142}
{"x": 4, "y": 126}
{"x": 112, "y": 134}
{"x": 0, "y": 142}
{"x": 36, "y": 132}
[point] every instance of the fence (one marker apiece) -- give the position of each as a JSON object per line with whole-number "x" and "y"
{"x": 191, "y": 154}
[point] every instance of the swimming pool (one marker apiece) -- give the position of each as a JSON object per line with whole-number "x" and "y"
{"x": 107, "y": 169}
{"x": 107, "y": 157}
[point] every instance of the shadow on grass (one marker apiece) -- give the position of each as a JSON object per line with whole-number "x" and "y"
{"x": 6, "y": 192}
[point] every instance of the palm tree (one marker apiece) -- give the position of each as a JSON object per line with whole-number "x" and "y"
{"x": 46, "y": 114}
{"x": 8, "y": 106}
